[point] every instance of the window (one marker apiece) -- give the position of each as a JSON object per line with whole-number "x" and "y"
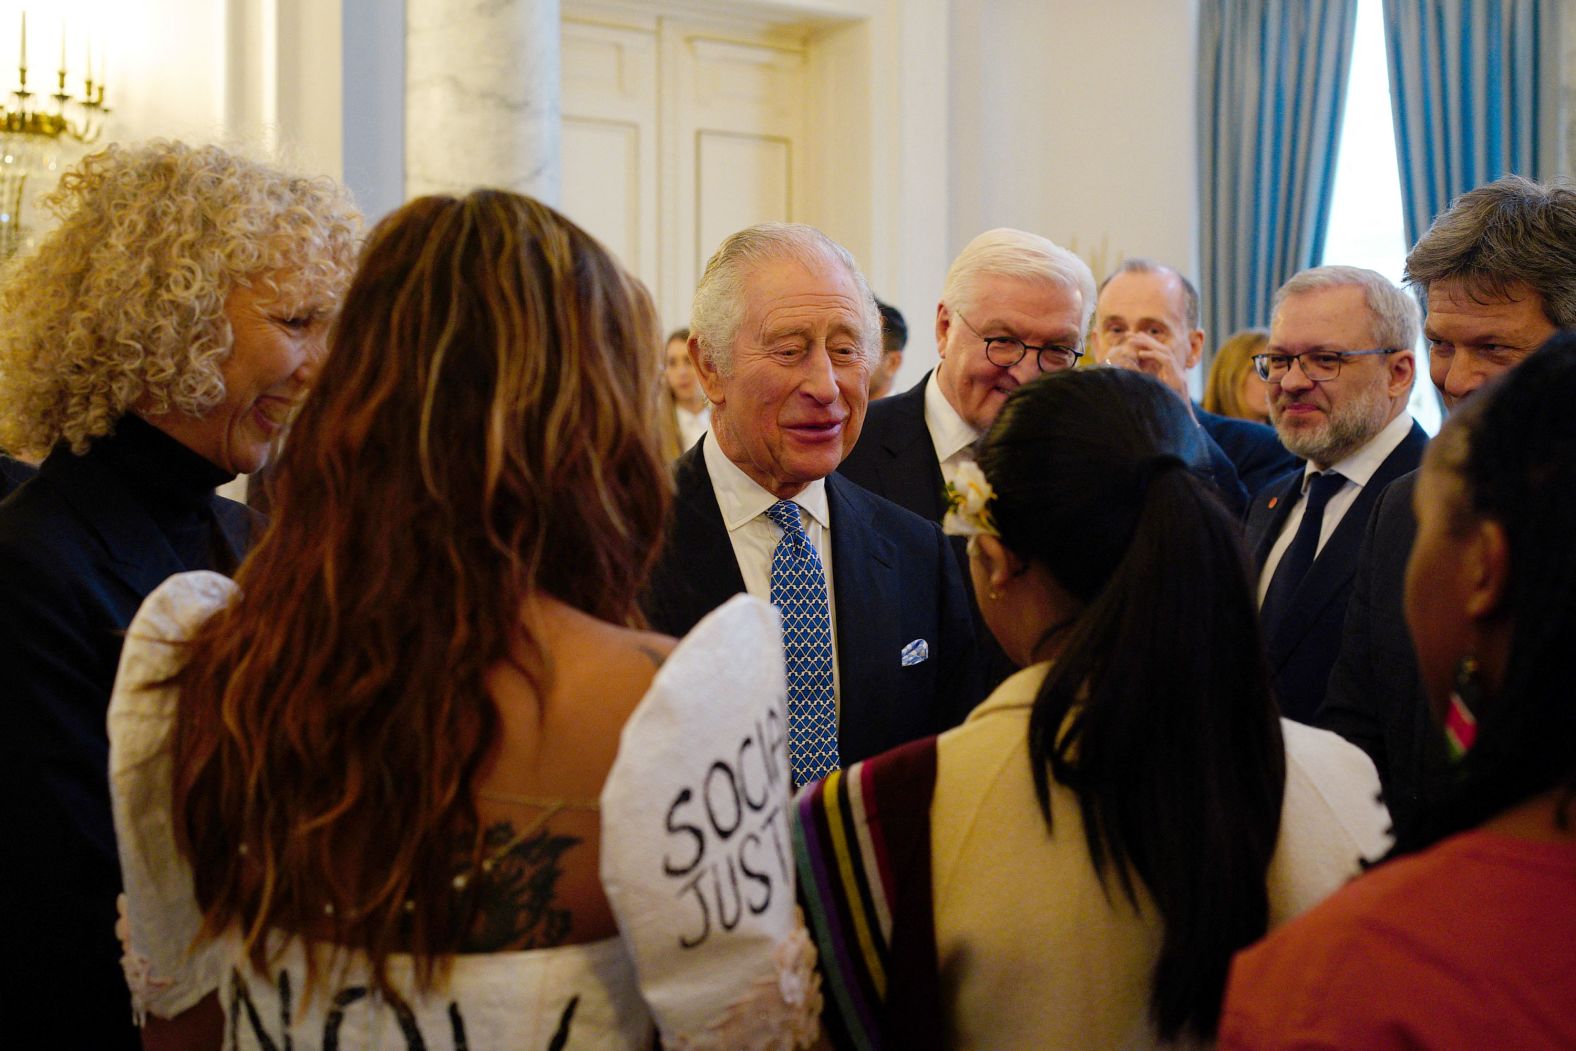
{"x": 1366, "y": 227}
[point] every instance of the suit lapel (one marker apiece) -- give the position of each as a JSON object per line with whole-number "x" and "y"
{"x": 697, "y": 571}
{"x": 1336, "y": 564}
{"x": 1267, "y": 514}
{"x": 914, "y": 470}
{"x": 865, "y": 581}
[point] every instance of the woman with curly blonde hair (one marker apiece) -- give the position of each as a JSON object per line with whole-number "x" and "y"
{"x": 155, "y": 345}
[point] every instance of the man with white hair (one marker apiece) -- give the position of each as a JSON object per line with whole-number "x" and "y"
{"x": 878, "y": 639}
{"x": 1014, "y": 305}
{"x": 1339, "y": 363}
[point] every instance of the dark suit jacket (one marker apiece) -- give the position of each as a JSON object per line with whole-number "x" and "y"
{"x": 894, "y": 580}
{"x": 79, "y": 550}
{"x": 1302, "y": 647}
{"x": 1255, "y": 451}
{"x": 895, "y": 458}
{"x": 1376, "y": 698}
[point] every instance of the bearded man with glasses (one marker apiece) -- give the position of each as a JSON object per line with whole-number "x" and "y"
{"x": 1340, "y": 366}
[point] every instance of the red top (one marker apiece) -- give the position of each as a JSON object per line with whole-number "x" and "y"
{"x": 1471, "y": 944}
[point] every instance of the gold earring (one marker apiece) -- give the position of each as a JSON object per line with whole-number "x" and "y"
{"x": 994, "y": 594}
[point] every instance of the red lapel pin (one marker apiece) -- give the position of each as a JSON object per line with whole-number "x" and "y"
{"x": 1273, "y": 501}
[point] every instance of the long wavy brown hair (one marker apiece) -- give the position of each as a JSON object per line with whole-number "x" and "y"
{"x": 483, "y": 430}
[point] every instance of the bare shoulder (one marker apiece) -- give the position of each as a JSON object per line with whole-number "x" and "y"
{"x": 615, "y": 662}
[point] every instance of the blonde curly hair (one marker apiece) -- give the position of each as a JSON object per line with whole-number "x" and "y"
{"x": 121, "y": 306}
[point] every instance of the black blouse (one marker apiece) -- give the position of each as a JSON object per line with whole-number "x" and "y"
{"x": 81, "y": 544}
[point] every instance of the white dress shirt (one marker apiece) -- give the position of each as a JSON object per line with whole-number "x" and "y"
{"x": 952, "y": 436}
{"x": 1357, "y": 469}
{"x": 691, "y": 425}
{"x": 743, "y": 504}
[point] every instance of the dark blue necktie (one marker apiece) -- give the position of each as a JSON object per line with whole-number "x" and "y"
{"x": 1298, "y": 558}
{"x": 798, "y": 590}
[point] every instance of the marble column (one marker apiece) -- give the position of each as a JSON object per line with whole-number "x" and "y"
{"x": 482, "y": 96}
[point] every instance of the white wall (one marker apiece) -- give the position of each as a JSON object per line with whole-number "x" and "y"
{"x": 261, "y": 75}
{"x": 1076, "y": 121}
{"x": 1070, "y": 119}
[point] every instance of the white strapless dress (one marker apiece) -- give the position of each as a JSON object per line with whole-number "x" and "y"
{"x": 758, "y": 991}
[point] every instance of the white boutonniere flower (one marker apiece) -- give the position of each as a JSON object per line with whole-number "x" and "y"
{"x": 969, "y": 498}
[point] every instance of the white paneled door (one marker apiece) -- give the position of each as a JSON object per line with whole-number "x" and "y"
{"x": 677, "y": 134}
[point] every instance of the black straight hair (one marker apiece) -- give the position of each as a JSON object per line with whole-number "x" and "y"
{"x": 1158, "y": 711}
{"x": 1513, "y": 446}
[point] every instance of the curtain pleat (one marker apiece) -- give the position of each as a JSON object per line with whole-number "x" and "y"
{"x": 1272, "y": 83}
{"x": 1466, "y": 81}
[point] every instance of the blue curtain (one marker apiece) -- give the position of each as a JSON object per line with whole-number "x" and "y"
{"x": 1465, "y": 79}
{"x": 1272, "y": 81}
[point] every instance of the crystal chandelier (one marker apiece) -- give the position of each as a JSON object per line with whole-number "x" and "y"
{"x": 36, "y": 130}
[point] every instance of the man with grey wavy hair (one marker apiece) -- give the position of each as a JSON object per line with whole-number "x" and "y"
{"x": 878, "y": 643}
{"x": 1339, "y": 364}
{"x": 1498, "y": 271}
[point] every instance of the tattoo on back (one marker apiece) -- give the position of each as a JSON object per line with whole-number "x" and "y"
{"x": 516, "y": 907}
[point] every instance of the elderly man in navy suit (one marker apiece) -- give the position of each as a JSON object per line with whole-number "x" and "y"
{"x": 879, "y": 643}
{"x": 1339, "y": 363}
{"x": 1147, "y": 318}
{"x": 1498, "y": 270}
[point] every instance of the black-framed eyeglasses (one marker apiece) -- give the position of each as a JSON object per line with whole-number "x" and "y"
{"x": 1317, "y": 365}
{"x": 1006, "y": 351}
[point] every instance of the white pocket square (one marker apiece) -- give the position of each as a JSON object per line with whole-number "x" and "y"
{"x": 916, "y": 652}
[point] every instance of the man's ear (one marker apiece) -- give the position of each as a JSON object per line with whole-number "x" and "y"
{"x": 1403, "y": 369}
{"x": 1195, "y": 347}
{"x": 710, "y": 375}
{"x": 943, "y": 326}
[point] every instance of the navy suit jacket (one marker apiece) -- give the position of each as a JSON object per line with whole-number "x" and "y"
{"x": 1376, "y": 698}
{"x": 895, "y": 581}
{"x": 1302, "y": 647}
{"x": 79, "y": 551}
{"x": 895, "y": 458}
{"x": 1255, "y": 451}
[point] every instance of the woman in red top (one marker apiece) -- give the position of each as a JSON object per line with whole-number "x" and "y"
{"x": 1472, "y": 941}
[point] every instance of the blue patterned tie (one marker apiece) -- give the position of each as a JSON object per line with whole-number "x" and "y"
{"x": 798, "y": 591}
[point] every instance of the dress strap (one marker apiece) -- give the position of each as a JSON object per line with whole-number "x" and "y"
{"x": 550, "y": 808}
{"x": 552, "y": 803}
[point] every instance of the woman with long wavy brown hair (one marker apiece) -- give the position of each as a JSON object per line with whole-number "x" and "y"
{"x": 383, "y": 747}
